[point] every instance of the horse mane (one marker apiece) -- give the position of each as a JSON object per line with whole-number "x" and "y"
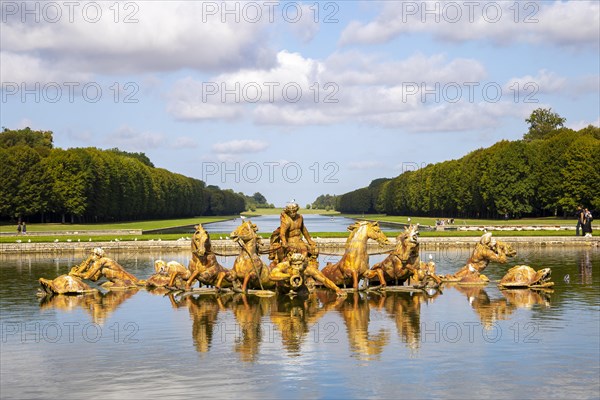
{"x": 353, "y": 229}
{"x": 355, "y": 226}
{"x": 402, "y": 240}
{"x": 207, "y": 244}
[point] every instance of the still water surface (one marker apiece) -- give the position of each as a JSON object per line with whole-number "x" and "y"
{"x": 268, "y": 223}
{"x": 464, "y": 343}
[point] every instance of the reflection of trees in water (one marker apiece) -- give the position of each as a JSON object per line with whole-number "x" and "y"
{"x": 98, "y": 305}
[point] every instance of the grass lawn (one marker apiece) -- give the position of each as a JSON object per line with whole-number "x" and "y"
{"x": 460, "y": 221}
{"x": 144, "y": 225}
{"x": 162, "y": 224}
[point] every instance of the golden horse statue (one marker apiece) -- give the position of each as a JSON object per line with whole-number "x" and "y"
{"x": 404, "y": 264}
{"x": 354, "y": 264}
{"x": 248, "y": 266}
{"x": 204, "y": 266}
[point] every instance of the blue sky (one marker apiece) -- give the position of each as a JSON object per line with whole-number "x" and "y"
{"x": 282, "y": 99}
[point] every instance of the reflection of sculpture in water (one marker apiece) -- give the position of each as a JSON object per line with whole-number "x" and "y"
{"x": 486, "y": 251}
{"x": 403, "y": 264}
{"x": 492, "y": 310}
{"x": 356, "y": 314}
{"x": 204, "y": 311}
{"x": 527, "y": 298}
{"x": 295, "y": 320}
{"x": 247, "y": 332}
{"x": 354, "y": 264}
{"x": 97, "y": 265}
{"x": 489, "y": 311}
{"x": 98, "y": 305}
{"x": 405, "y": 310}
{"x": 291, "y": 275}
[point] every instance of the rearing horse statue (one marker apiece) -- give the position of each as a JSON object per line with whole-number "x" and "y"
{"x": 355, "y": 261}
{"x": 404, "y": 263}
{"x": 204, "y": 265}
{"x": 248, "y": 266}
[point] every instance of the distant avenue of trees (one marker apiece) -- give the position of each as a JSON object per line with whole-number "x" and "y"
{"x": 549, "y": 172}
{"x": 325, "y": 202}
{"x": 43, "y": 183}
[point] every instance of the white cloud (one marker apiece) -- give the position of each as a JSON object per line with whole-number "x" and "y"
{"x": 26, "y": 68}
{"x": 544, "y": 82}
{"x": 128, "y": 138}
{"x": 270, "y": 114}
{"x": 240, "y": 146}
{"x": 447, "y": 117}
{"x": 582, "y": 124}
{"x": 341, "y": 87}
{"x": 305, "y": 28}
{"x": 572, "y": 23}
{"x": 164, "y": 36}
{"x": 371, "y": 70}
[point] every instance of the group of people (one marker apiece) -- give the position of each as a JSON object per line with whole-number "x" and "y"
{"x": 21, "y": 228}
{"x": 584, "y": 221}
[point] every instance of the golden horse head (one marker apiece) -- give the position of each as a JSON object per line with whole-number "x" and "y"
{"x": 373, "y": 231}
{"x": 407, "y": 243}
{"x": 200, "y": 241}
{"x": 245, "y": 232}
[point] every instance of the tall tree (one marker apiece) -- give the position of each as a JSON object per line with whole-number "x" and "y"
{"x": 543, "y": 122}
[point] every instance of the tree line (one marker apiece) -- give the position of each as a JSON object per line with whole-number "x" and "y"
{"x": 551, "y": 171}
{"x": 43, "y": 183}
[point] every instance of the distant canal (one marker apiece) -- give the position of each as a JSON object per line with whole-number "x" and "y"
{"x": 268, "y": 223}
{"x": 466, "y": 342}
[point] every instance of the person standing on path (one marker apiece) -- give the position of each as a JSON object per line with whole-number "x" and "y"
{"x": 580, "y": 214}
{"x": 587, "y": 224}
